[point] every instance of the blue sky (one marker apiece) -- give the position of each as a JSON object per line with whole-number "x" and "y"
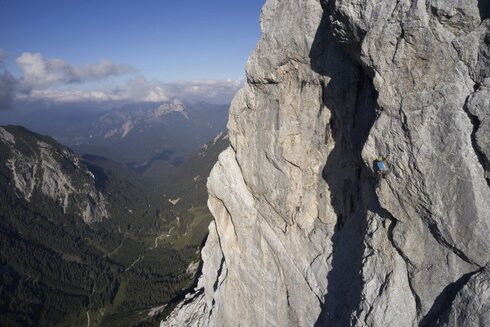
{"x": 160, "y": 40}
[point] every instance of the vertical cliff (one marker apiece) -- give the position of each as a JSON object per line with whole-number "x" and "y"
{"x": 305, "y": 233}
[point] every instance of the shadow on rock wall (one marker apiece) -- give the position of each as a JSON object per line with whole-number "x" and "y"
{"x": 350, "y": 96}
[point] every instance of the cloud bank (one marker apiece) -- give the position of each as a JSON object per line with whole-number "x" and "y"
{"x": 204, "y": 89}
{"x": 55, "y": 80}
{"x": 141, "y": 90}
{"x": 41, "y": 73}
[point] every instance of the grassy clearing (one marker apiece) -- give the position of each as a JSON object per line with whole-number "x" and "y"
{"x": 120, "y": 296}
{"x": 195, "y": 232}
{"x": 128, "y": 253}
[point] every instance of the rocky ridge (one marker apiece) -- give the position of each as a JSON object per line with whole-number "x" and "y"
{"x": 40, "y": 165}
{"x": 305, "y": 233}
{"x": 115, "y": 124}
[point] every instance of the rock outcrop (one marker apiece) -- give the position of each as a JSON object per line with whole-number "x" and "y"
{"x": 39, "y": 166}
{"x": 305, "y": 232}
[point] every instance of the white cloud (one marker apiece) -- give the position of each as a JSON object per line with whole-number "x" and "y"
{"x": 222, "y": 90}
{"x": 40, "y": 73}
{"x": 140, "y": 89}
{"x": 156, "y": 94}
{"x": 135, "y": 90}
{"x": 54, "y": 80}
{"x": 70, "y": 96}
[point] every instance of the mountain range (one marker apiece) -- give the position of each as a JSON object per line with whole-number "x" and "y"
{"x": 86, "y": 238}
{"x": 150, "y": 138}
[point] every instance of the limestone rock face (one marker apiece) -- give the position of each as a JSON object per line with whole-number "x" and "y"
{"x": 471, "y": 306}
{"x": 305, "y": 232}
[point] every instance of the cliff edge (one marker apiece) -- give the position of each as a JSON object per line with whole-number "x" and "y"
{"x": 305, "y": 232}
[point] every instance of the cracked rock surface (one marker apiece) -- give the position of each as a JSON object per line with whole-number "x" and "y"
{"x": 305, "y": 232}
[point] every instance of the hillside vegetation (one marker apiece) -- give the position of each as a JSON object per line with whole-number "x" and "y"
{"x": 58, "y": 270}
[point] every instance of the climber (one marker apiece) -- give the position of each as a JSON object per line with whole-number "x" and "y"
{"x": 380, "y": 165}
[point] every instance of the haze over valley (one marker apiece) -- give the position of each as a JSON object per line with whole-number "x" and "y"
{"x": 151, "y": 138}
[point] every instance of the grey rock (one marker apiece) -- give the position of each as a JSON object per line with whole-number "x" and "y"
{"x": 478, "y": 107}
{"x": 39, "y": 168}
{"x": 471, "y": 306}
{"x": 305, "y": 231}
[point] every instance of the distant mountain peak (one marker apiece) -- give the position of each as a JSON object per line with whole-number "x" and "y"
{"x": 166, "y": 108}
{"x": 123, "y": 121}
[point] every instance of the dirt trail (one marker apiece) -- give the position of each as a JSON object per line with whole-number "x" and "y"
{"x": 165, "y": 235}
